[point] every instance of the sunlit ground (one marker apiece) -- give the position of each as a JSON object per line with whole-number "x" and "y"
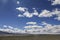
{"x": 31, "y": 37}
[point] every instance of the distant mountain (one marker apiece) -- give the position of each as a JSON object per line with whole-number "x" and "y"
{"x": 2, "y": 33}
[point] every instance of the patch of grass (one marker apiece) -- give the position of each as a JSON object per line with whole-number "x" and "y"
{"x": 31, "y": 37}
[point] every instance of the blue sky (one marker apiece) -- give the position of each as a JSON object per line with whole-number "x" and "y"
{"x": 9, "y": 13}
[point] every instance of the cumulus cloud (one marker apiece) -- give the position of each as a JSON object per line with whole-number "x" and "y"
{"x": 11, "y": 29}
{"x": 4, "y": 26}
{"x": 29, "y": 15}
{"x": 55, "y": 2}
{"x": 31, "y": 23}
{"x": 57, "y": 13}
{"x": 33, "y": 26}
{"x": 45, "y": 13}
{"x": 21, "y": 9}
{"x": 26, "y": 12}
{"x": 18, "y": 2}
{"x": 33, "y": 29}
{"x": 45, "y": 29}
{"x": 20, "y": 15}
{"x": 35, "y": 12}
{"x": 57, "y": 18}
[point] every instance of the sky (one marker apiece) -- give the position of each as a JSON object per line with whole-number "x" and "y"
{"x": 21, "y": 13}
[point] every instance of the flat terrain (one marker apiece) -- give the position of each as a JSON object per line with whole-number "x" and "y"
{"x": 31, "y": 37}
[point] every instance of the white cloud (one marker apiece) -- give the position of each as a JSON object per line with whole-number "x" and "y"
{"x": 31, "y": 23}
{"x": 51, "y": 28}
{"x": 57, "y": 13}
{"x": 35, "y": 12}
{"x": 33, "y": 26}
{"x": 47, "y": 26}
{"x": 47, "y": 29}
{"x": 4, "y": 26}
{"x": 57, "y": 18}
{"x": 21, "y": 9}
{"x": 27, "y": 14}
{"x": 5, "y": 30}
{"x": 55, "y": 2}
{"x": 11, "y": 29}
{"x": 17, "y": 30}
{"x": 18, "y": 2}
{"x": 45, "y": 13}
{"x": 34, "y": 29}
{"x": 20, "y": 15}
